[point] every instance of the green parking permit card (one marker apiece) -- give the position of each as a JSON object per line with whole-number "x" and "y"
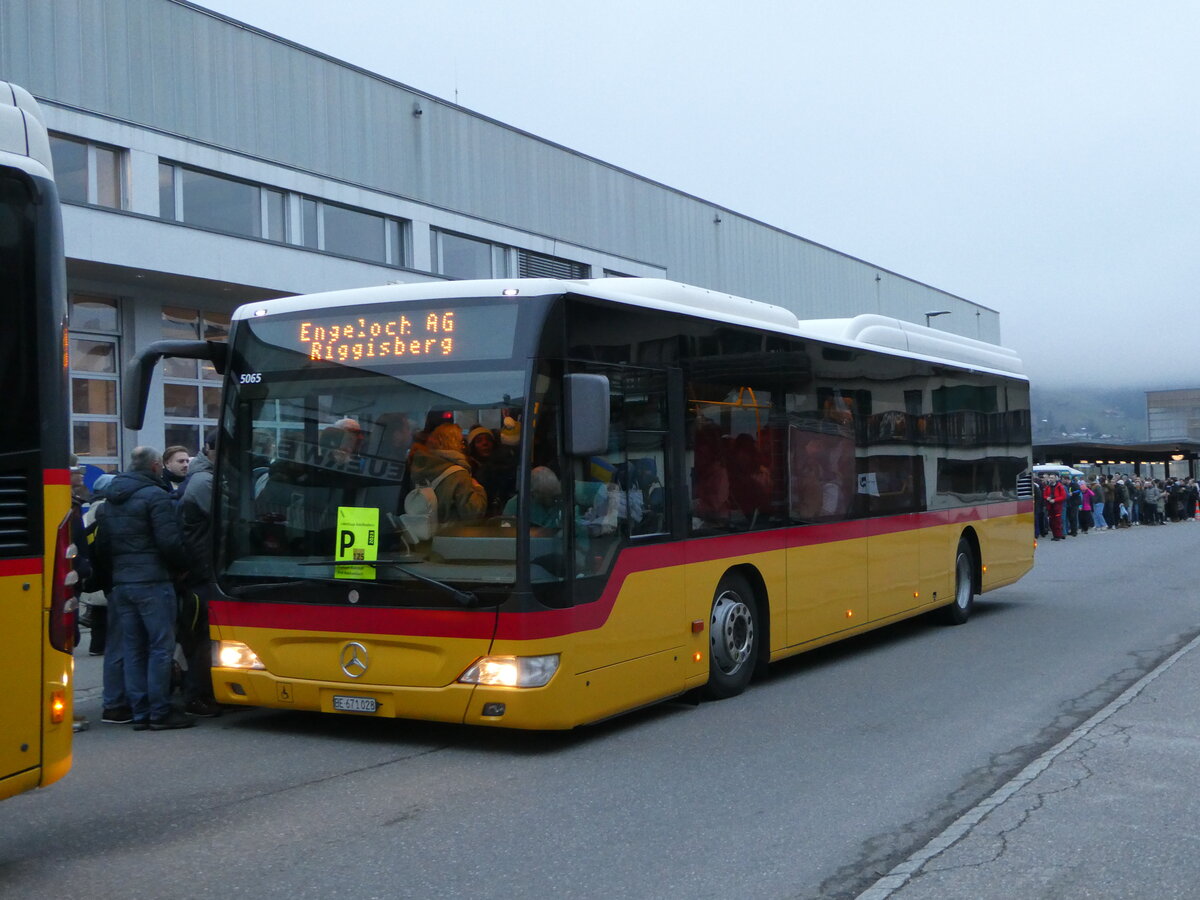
{"x": 357, "y": 541}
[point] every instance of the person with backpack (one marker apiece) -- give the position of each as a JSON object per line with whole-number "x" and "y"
{"x": 1122, "y": 493}
{"x": 1098, "y": 520}
{"x": 1041, "y": 521}
{"x": 1150, "y": 497}
{"x": 115, "y": 708}
{"x": 1111, "y": 513}
{"x": 494, "y": 466}
{"x": 139, "y": 540}
{"x": 441, "y": 463}
{"x": 195, "y": 517}
{"x": 1086, "y": 521}
{"x": 1074, "y": 503}
{"x": 1055, "y": 496}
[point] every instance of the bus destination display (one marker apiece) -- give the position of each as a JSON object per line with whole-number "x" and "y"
{"x": 430, "y": 334}
{"x": 386, "y": 336}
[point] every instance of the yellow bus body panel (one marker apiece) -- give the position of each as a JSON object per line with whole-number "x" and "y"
{"x": 653, "y": 641}
{"x": 22, "y": 620}
{"x": 35, "y": 751}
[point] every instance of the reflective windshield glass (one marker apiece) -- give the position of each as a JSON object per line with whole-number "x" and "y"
{"x": 363, "y": 478}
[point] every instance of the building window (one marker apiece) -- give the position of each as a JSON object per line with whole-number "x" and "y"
{"x": 458, "y": 256}
{"x": 274, "y": 211}
{"x": 213, "y": 201}
{"x": 191, "y": 388}
{"x": 538, "y": 265}
{"x": 88, "y": 173}
{"x": 95, "y": 379}
{"x": 219, "y": 203}
{"x": 352, "y": 232}
{"x": 310, "y": 222}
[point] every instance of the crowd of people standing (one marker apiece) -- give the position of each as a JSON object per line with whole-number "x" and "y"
{"x": 1069, "y": 506}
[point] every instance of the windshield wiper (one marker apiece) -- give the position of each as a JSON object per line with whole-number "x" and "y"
{"x": 248, "y": 590}
{"x": 464, "y": 598}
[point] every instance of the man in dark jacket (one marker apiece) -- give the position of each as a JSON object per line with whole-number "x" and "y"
{"x": 139, "y": 533}
{"x": 195, "y": 515}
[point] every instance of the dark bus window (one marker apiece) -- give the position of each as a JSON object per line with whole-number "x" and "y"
{"x": 18, "y": 338}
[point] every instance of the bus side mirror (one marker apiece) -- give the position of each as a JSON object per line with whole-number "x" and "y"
{"x": 140, "y": 372}
{"x": 586, "y": 402}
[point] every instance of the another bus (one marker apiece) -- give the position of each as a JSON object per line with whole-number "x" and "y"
{"x": 37, "y": 619}
{"x": 698, "y": 485}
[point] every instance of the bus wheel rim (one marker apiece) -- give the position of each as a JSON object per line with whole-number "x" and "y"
{"x": 731, "y": 632}
{"x": 962, "y": 581}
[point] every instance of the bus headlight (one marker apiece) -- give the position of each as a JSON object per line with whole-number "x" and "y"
{"x": 235, "y": 655}
{"x": 511, "y": 671}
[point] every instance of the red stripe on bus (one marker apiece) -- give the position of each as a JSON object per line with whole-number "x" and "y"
{"x": 590, "y": 616}
{"x": 12, "y": 567}
{"x": 461, "y": 623}
{"x": 56, "y": 476}
{"x": 477, "y": 624}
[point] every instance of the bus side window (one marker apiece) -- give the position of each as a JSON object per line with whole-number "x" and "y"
{"x": 738, "y": 447}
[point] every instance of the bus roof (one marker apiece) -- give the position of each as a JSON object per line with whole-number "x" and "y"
{"x": 23, "y": 135}
{"x": 869, "y": 330}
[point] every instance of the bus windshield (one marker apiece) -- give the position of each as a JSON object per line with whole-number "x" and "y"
{"x": 323, "y": 460}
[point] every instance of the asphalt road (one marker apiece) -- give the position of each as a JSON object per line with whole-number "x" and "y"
{"x": 813, "y": 784}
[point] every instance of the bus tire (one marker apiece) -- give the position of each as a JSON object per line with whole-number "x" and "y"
{"x": 733, "y": 636}
{"x": 959, "y": 611}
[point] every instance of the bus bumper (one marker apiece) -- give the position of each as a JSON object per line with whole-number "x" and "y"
{"x": 557, "y": 706}
{"x": 242, "y": 687}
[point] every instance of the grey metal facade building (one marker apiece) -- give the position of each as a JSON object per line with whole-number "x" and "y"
{"x": 204, "y": 163}
{"x": 1173, "y": 415}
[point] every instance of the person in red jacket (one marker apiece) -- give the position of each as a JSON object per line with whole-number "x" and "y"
{"x": 1055, "y": 496}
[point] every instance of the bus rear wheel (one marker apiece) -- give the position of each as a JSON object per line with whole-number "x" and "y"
{"x": 732, "y": 638}
{"x": 959, "y": 611}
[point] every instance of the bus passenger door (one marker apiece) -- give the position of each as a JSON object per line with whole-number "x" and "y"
{"x": 623, "y": 550}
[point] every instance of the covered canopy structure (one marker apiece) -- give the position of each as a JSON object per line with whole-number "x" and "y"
{"x": 1177, "y": 457}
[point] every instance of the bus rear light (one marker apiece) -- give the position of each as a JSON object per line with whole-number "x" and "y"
{"x": 697, "y": 656}
{"x": 63, "y": 601}
{"x": 235, "y": 655}
{"x": 511, "y": 671}
{"x": 58, "y": 707}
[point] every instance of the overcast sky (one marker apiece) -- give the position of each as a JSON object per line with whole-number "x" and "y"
{"x": 1040, "y": 158}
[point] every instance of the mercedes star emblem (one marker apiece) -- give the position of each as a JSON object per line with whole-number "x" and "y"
{"x": 355, "y": 659}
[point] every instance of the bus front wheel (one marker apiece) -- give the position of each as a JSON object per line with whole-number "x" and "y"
{"x": 732, "y": 638}
{"x": 959, "y": 611}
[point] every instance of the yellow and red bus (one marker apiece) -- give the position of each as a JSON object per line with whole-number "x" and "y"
{"x": 684, "y": 487}
{"x": 37, "y": 604}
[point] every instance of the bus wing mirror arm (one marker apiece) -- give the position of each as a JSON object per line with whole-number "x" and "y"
{"x": 587, "y": 400}
{"x": 140, "y": 372}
